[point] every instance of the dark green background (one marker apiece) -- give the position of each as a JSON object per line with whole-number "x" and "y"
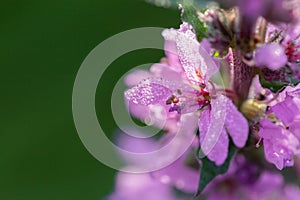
{"x": 42, "y": 44}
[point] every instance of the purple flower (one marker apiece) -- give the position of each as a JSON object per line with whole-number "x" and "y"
{"x": 193, "y": 92}
{"x": 271, "y": 55}
{"x": 182, "y": 174}
{"x": 156, "y": 114}
{"x": 280, "y": 145}
{"x": 223, "y": 117}
{"x": 284, "y": 51}
{"x": 244, "y": 180}
{"x": 183, "y": 94}
{"x": 171, "y": 49}
{"x": 137, "y": 186}
{"x": 280, "y": 131}
{"x": 279, "y": 121}
{"x": 179, "y": 175}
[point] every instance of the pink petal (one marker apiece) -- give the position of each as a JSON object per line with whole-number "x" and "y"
{"x": 280, "y": 145}
{"x": 213, "y": 137}
{"x": 139, "y": 111}
{"x": 219, "y": 153}
{"x": 204, "y": 122}
{"x": 236, "y": 124}
{"x": 295, "y": 129}
{"x": 295, "y": 93}
{"x": 192, "y": 56}
{"x": 134, "y": 186}
{"x": 157, "y": 90}
{"x": 182, "y": 177}
{"x": 163, "y": 70}
{"x": 268, "y": 130}
{"x": 135, "y": 77}
{"x": 170, "y": 47}
{"x": 149, "y": 91}
{"x": 272, "y": 156}
{"x": 286, "y": 111}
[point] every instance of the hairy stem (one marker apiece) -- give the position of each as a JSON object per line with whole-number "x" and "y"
{"x": 243, "y": 75}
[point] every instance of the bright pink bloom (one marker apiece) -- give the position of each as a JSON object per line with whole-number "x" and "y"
{"x": 193, "y": 93}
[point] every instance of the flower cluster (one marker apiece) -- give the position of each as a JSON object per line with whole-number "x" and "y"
{"x": 236, "y": 90}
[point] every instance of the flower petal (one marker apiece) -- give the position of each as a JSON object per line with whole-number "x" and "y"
{"x": 134, "y": 186}
{"x": 280, "y": 145}
{"x": 204, "y": 122}
{"x": 286, "y": 111}
{"x": 182, "y": 177}
{"x": 213, "y": 137}
{"x": 133, "y": 78}
{"x": 157, "y": 90}
{"x": 164, "y": 70}
{"x": 237, "y": 125}
{"x": 149, "y": 91}
{"x": 170, "y": 47}
{"x": 277, "y": 154}
{"x": 194, "y": 59}
{"x": 219, "y": 153}
{"x": 269, "y": 130}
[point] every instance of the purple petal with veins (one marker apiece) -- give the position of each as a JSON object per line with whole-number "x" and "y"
{"x": 213, "y": 137}
{"x": 149, "y": 91}
{"x": 194, "y": 59}
{"x": 278, "y": 155}
{"x": 280, "y": 145}
{"x": 237, "y": 125}
{"x": 295, "y": 93}
{"x": 219, "y": 153}
{"x": 156, "y": 90}
{"x": 272, "y": 131}
{"x": 295, "y": 128}
{"x": 286, "y": 110}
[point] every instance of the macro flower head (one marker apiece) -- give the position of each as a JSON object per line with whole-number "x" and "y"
{"x": 231, "y": 79}
{"x": 196, "y": 92}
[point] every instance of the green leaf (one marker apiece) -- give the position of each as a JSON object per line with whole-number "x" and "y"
{"x": 210, "y": 170}
{"x": 189, "y": 12}
{"x": 174, "y": 3}
{"x": 189, "y": 15}
{"x": 277, "y": 80}
{"x": 274, "y": 86}
{"x": 164, "y": 3}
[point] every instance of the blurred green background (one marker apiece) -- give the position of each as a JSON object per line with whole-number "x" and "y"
{"x": 43, "y": 44}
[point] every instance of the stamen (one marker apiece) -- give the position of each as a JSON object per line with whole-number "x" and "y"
{"x": 171, "y": 99}
{"x": 175, "y": 100}
{"x": 257, "y": 145}
{"x": 179, "y": 91}
{"x": 198, "y": 74}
